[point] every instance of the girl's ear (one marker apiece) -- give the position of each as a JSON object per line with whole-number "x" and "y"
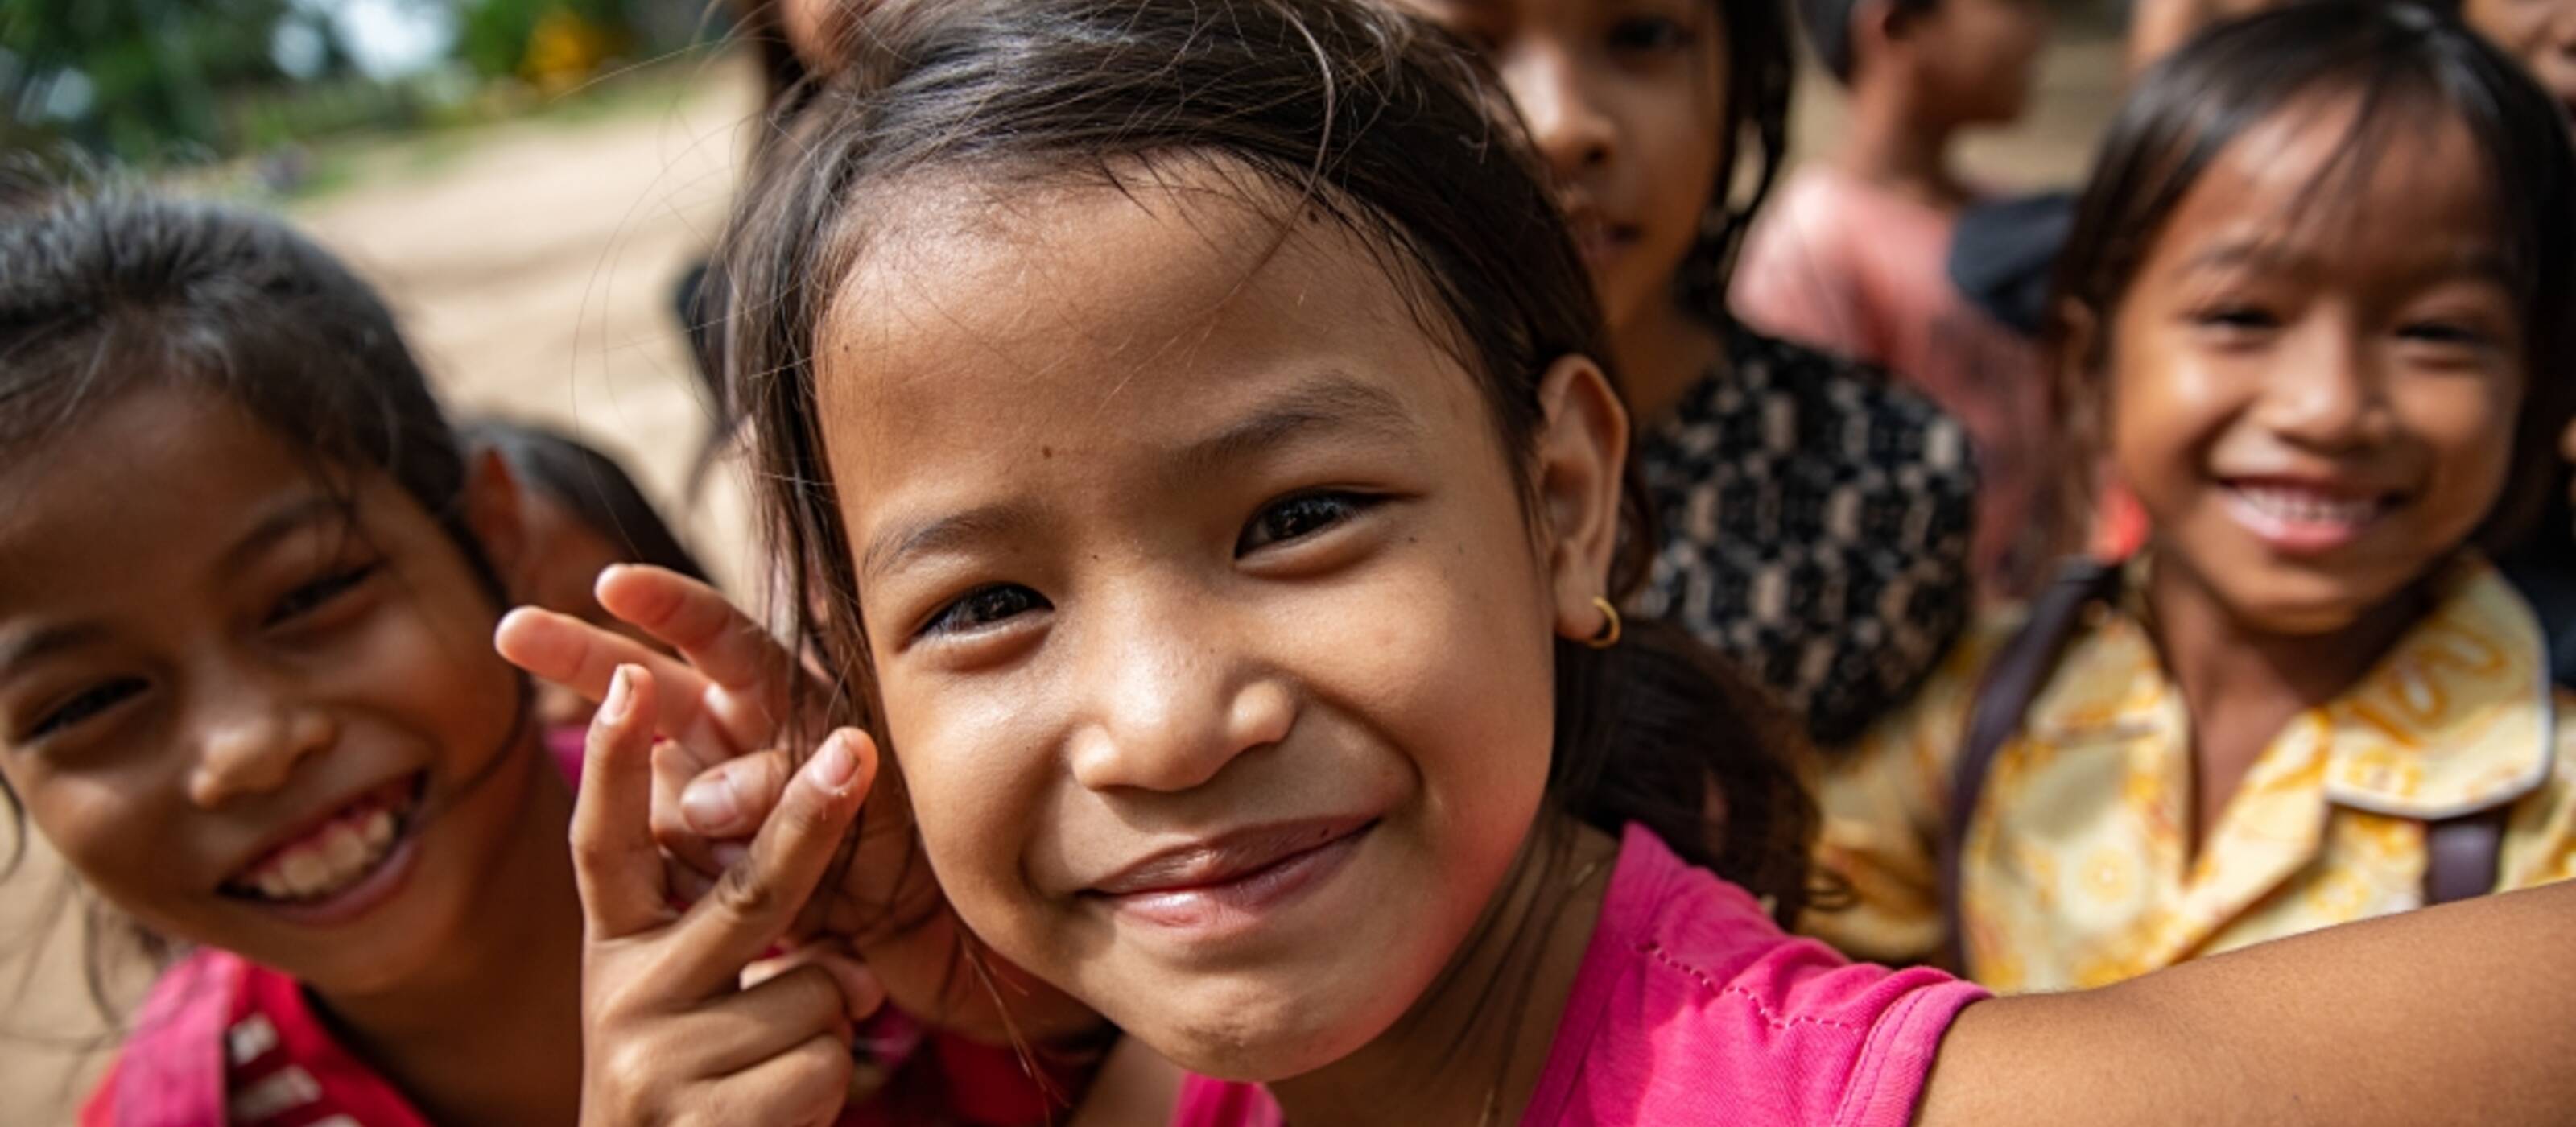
{"x": 2082, "y": 399}
{"x": 494, "y": 513}
{"x": 2081, "y": 404}
{"x": 1581, "y": 463}
{"x": 1876, "y": 27}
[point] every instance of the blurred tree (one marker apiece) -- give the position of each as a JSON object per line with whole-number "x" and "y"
{"x": 134, "y": 77}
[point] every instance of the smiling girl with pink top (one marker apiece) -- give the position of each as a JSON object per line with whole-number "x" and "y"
{"x": 1185, "y": 422}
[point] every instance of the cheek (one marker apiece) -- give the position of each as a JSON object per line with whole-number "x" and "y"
{"x": 1461, "y": 661}
{"x": 1680, "y": 150}
{"x": 2162, "y": 406}
{"x": 976, "y": 771}
{"x": 2460, "y": 428}
{"x": 430, "y": 665}
{"x": 90, "y": 819}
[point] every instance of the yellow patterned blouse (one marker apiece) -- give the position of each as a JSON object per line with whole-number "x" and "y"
{"x": 2075, "y": 865}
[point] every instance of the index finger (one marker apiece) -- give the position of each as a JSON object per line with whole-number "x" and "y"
{"x": 705, "y": 627}
{"x": 615, "y": 862}
{"x": 581, "y": 656}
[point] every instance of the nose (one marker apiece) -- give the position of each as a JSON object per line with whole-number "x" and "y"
{"x": 1168, "y": 702}
{"x": 2325, "y": 392}
{"x": 1567, "y": 123}
{"x": 249, "y": 742}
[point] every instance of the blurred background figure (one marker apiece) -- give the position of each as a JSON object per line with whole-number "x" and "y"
{"x": 577, "y": 512}
{"x": 1852, "y": 257}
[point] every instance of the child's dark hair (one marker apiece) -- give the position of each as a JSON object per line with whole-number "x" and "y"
{"x": 1828, "y": 27}
{"x": 1361, "y": 117}
{"x": 590, "y": 484}
{"x": 107, "y": 291}
{"x": 2403, "y": 65}
{"x": 111, "y": 290}
{"x": 1761, "y": 71}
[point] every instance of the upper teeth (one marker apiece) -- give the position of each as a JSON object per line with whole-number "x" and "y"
{"x": 2306, "y": 507}
{"x": 329, "y": 861}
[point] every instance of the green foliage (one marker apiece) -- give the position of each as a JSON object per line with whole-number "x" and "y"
{"x": 497, "y": 32}
{"x": 156, "y": 68}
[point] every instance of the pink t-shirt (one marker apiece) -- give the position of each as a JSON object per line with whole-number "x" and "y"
{"x": 1844, "y": 266}
{"x": 1693, "y": 1007}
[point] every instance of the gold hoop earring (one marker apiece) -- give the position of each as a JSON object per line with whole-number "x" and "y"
{"x": 1611, "y": 627}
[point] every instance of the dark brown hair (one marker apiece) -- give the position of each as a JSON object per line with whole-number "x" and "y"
{"x": 1761, "y": 71}
{"x": 1363, "y": 117}
{"x": 2405, "y": 66}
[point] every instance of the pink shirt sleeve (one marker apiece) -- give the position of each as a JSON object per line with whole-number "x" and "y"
{"x": 1692, "y": 1004}
{"x": 1794, "y": 279}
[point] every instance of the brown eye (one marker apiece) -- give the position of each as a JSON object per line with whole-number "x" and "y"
{"x": 984, "y": 607}
{"x": 2450, "y": 333}
{"x": 2236, "y": 320}
{"x": 1296, "y": 518}
{"x": 319, "y": 593}
{"x": 85, "y": 704}
{"x": 1653, "y": 34}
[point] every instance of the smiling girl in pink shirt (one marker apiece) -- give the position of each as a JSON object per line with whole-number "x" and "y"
{"x": 1224, "y": 543}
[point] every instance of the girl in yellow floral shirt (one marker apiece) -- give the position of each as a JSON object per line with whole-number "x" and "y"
{"x": 2317, "y": 309}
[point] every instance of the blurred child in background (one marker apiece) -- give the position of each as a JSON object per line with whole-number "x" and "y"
{"x": 575, "y": 512}
{"x": 1851, "y": 257}
{"x": 1816, "y": 516}
{"x": 2314, "y": 312}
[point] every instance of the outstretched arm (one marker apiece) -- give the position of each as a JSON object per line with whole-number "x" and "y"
{"x": 2464, "y": 1013}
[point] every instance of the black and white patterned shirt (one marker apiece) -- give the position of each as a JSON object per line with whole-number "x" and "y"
{"x": 1816, "y": 521}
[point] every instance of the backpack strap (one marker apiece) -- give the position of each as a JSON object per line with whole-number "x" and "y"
{"x": 2460, "y": 855}
{"x": 2020, "y": 670}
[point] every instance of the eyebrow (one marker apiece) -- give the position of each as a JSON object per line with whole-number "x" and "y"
{"x": 289, "y": 519}
{"x": 945, "y": 534}
{"x": 31, "y": 648}
{"x": 1334, "y": 400}
{"x": 2479, "y": 263}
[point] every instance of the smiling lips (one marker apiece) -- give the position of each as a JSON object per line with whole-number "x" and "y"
{"x": 1596, "y": 236}
{"x": 2305, "y": 516}
{"x": 335, "y": 854}
{"x": 1229, "y": 882}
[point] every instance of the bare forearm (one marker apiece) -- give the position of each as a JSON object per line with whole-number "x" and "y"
{"x": 2465, "y": 1013}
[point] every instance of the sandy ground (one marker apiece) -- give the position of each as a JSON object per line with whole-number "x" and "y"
{"x": 534, "y": 272}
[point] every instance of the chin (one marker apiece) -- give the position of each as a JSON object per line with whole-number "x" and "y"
{"x": 1257, "y": 1035}
{"x": 2300, "y": 606}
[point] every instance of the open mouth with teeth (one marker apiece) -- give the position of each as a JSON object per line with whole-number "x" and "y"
{"x": 2299, "y": 516}
{"x": 353, "y": 850}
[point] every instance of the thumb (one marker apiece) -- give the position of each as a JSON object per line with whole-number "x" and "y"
{"x": 732, "y": 799}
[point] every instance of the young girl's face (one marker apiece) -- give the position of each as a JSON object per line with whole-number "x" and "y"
{"x": 249, "y": 714}
{"x": 1211, "y": 628}
{"x": 1626, "y": 100}
{"x": 2315, "y": 374}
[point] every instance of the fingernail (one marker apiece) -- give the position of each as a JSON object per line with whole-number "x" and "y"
{"x": 713, "y": 806}
{"x": 727, "y": 854}
{"x": 613, "y": 709}
{"x": 834, "y": 766}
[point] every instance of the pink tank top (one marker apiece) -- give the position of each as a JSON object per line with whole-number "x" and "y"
{"x": 1691, "y": 1007}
